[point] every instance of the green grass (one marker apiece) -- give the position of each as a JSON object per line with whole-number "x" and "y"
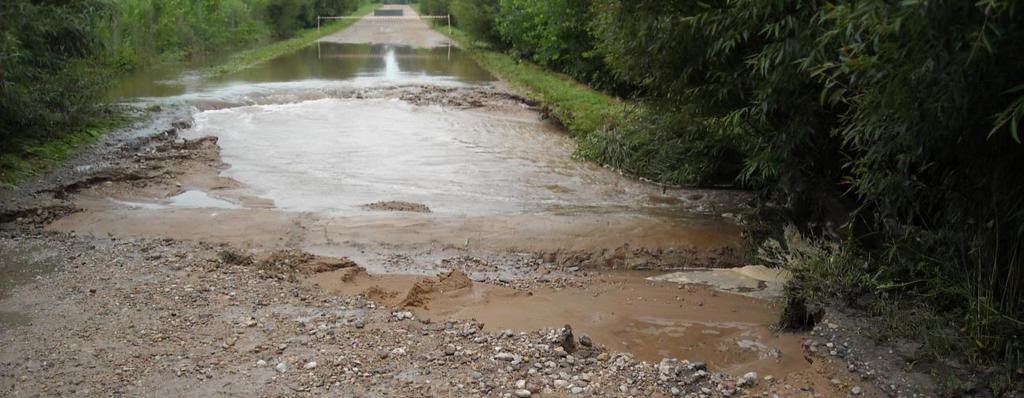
{"x": 248, "y": 58}
{"x": 26, "y": 158}
{"x": 583, "y": 110}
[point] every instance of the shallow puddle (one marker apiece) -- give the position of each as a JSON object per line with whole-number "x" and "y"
{"x": 652, "y": 320}
{"x": 19, "y": 266}
{"x": 191, "y": 199}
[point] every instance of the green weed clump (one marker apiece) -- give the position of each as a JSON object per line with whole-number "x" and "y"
{"x": 28, "y": 156}
{"x": 952, "y": 320}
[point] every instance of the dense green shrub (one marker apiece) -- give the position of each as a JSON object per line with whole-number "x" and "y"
{"x": 556, "y": 34}
{"x": 668, "y": 145}
{"x": 903, "y": 111}
{"x": 48, "y": 77}
{"x": 435, "y": 7}
{"x": 137, "y": 31}
{"x": 476, "y": 17}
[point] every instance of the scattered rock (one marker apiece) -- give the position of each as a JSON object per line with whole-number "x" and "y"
{"x": 505, "y": 356}
{"x": 396, "y": 205}
{"x": 747, "y": 380}
{"x": 566, "y": 340}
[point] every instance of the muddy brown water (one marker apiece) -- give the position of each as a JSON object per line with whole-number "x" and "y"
{"x": 625, "y": 312}
{"x": 19, "y": 266}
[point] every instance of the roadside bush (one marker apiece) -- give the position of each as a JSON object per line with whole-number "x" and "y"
{"x": 435, "y": 7}
{"x": 48, "y": 79}
{"x": 896, "y": 119}
{"x": 667, "y": 145}
{"x": 556, "y": 34}
{"x": 286, "y": 17}
{"x": 476, "y": 17}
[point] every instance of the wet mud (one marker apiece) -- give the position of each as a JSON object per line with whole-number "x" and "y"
{"x": 652, "y": 320}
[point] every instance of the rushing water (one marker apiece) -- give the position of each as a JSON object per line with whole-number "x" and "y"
{"x": 294, "y": 133}
{"x": 333, "y": 155}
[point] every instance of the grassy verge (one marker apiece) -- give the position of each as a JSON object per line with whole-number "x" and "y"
{"x": 666, "y": 147}
{"x": 248, "y": 58}
{"x": 583, "y": 110}
{"x": 27, "y": 157}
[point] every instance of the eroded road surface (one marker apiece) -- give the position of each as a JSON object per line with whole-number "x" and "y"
{"x": 376, "y": 215}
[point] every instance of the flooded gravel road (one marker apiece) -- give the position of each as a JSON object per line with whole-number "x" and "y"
{"x": 315, "y": 136}
{"x": 378, "y": 219}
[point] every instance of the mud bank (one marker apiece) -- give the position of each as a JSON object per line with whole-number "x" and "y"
{"x": 148, "y": 317}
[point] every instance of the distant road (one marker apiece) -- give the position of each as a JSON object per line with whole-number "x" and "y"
{"x": 407, "y": 30}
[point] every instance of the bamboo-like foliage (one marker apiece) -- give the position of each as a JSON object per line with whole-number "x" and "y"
{"x": 904, "y": 113}
{"x": 48, "y": 79}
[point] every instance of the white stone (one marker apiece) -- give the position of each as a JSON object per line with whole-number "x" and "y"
{"x": 748, "y": 379}
{"x": 505, "y": 356}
